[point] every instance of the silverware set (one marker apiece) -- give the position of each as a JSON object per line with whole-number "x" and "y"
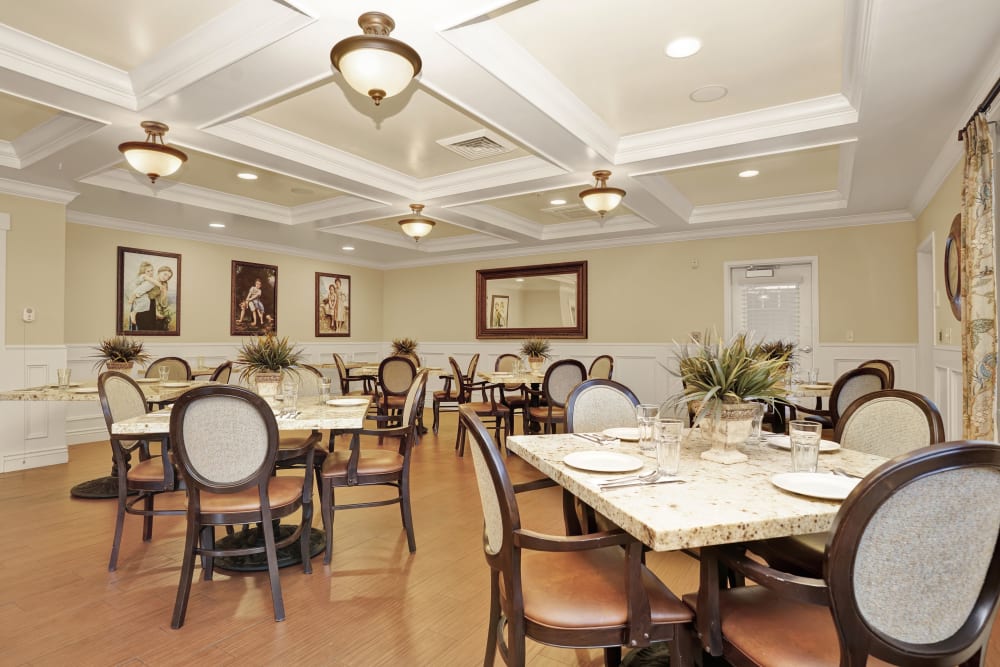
{"x": 597, "y": 438}
{"x": 652, "y": 477}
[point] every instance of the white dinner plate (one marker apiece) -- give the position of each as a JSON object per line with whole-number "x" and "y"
{"x": 176, "y": 385}
{"x": 816, "y": 484}
{"x": 147, "y": 380}
{"x": 603, "y": 461}
{"x": 623, "y": 433}
{"x": 346, "y": 402}
{"x": 71, "y": 384}
{"x": 85, "y": 390}
{"x": 784, "y": 442}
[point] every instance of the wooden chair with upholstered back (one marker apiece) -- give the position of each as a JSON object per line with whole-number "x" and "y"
{"x": 222, "y": 373}
{"x": 395, "y": 375}
{"x": 180, "y": 370}
{"x": 482, "y": 398}
{"x": 590, "y": 592}
{"x": 346, "y": 379}
{"x": 601, "y": 368}
{"x": 888, "y": 423}
{"x": 375, "y": 467}
{"x": 884, "y": 366}
{"x": 153, "y": 474}
{"x": 560, "y": 379}
{"x": 225, "y": 440}
{"x": 446, "y": 398}
{"x": 849, "y": 387}
{"x": 911, "y": 574}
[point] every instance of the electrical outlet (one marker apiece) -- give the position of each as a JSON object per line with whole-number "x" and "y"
{"x": 850, "y": 335}
{"x": 947, "y": 335}
{"x": 28, "y": 314}
{"x": 694, "y": 264}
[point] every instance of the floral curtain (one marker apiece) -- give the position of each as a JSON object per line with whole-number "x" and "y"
{"x": 978, "y": 280}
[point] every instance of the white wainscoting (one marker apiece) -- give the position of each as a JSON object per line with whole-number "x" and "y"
{"x": 37, "y": 434}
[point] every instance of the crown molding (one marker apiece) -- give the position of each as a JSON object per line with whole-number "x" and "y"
{"x": 592, "y": 227}
{"x": 229, "y": 37}
{"x": 94, "y": 220}
{"x": 33, "y": 191}
{"x": 859, "y": 21}
{"x": 765, "y": 208}
{"x": 659, "y": 186}
{"x": 496, "y": 52}
{"x": 497, "y": 217}
{"x": 333, "y": 208}
{"x": 60, "y": 67}
{"x": 780, "y": 121}
{"x": 498, "y": 174}
{"x": 846, "y": 155}
{"x": 8, "y": 156}
{"x": 52, "y": 136}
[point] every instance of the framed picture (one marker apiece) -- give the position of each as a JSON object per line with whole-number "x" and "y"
{"x": 499, "y": 306}
{"x": 149, "y": 293}
{"x": 333, "y": 304}
{"x": 254, "y": 310}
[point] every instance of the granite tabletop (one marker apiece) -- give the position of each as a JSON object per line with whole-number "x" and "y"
{"x": 717, "y": 503}
{"x": 525, "y": 377}
{"x": 87, "y": 391}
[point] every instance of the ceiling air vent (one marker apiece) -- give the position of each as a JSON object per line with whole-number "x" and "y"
{"x": 570, "y": 212}
{"x": 478, "y": 145}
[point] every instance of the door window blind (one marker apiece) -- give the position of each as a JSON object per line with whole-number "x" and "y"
{"x": 770, "y": 309}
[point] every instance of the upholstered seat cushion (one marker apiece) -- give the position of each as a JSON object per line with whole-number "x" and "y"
{"x": 371, "y": 462}
{"x": 541, "y": 414}
{"x": 778, "y": 631}
{"x": 395, "y": 402}
{"x": 150, "y": 470}
{"x": 441, "y": 395}
{"x": 486, "y": 408}
{"x": 281, "y": 491}
{"x": 554, "y": 596}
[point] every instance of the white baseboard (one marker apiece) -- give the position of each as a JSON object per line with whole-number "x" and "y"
{"x": 35, "y": 459}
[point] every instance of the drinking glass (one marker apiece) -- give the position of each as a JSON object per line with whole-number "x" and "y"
{"x": 325, "y": 385}
{"x": 667, "y": 434}
{"x": 164, "y": 373}
{"x": 805, "y": 437}
{"x": 646, "y": 414}
{"x": 813, "y": 375}
{"x": 756, "y": 425}
{"x": 63, "y": 374}
{"x": 289, "y": 396}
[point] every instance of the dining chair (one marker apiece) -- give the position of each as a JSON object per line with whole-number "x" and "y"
{"x": 153, "y": 474}
{"x": 911, "y": 574}
{"x": 849, "y": 387}
{"x": 375, "y": 467}
{"x": 560, "y": 378}
{"x": 180, "y": 369}
{"x": 222, "y": 373}
{"x": 395, "y": 375}
{"x": 601, "y": 368}
{"x": 887, "y": 423}
{"x": 446, "y": 398}
{"x": 487, "y": 406}
{"x": 589, "y": 591}
{"x": 346, "y": 379}
{"x": 225, "y": 440}
{"x": 513, "y": 395}
{"x": 884, "y": 366}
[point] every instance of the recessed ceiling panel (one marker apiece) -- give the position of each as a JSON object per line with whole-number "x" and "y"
{"x": 18, "y": 116}
{"x": 555, "y": 206}
{"x": 612, "y": 56}
{"x": 781, "y": 175}
{"x": 120, "y": 33}
{"x": 220, "y": 174}
{"x": 441, "y": 229}
{"x": 401, "y": 134}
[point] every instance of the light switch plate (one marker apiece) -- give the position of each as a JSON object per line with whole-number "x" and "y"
{"x": 28, "y": 314}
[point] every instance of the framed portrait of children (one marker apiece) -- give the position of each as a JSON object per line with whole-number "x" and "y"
{"x": 333, "y": 304}
{"x": 149, "y": 293}
{"x": 254, "y": 298}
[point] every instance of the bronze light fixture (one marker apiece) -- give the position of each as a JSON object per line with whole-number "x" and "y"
{"x": 600, "y": 199}
{"x": 416, "y": 227}
{"x": 151, "y": 158}
{"x": 375, "y": 64}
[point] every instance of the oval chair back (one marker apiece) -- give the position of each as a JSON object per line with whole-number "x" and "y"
{"x": 180, "y": 370}
{"x": 601, "y": 368}
{"x": 885, "y": 366}
{"x": 889, "y": 423}
{"x": 595, "y": 405}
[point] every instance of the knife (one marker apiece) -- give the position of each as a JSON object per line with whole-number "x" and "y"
{"x": 669, "y": 480}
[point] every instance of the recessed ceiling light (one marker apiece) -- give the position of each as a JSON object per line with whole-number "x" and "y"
{"x": 682, "y": 47}
{"x": 748, "y": 173}
{"x": 348, "y": 248}
{"x": 708, "y": 93}
{"x": 217, "y": 225}
{"x": 247, "y": 176}
{"x": 557, "y": 202}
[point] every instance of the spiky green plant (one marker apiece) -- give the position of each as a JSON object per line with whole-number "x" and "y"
{"x": 538, "y": 348}
{"x": 267, "y": 354}
{"x": 777, "y": 349}
{"x": 121, "y": 349}
{"x": 404, "y": 346}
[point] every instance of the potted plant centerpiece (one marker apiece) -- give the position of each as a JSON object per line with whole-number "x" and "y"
{"x": 405, "y": 347}
{"x": 265, "y": 359}
{"x": 119, "y": 353}
{"x": 723, "y": 382}
{"x": 537, "y": 350}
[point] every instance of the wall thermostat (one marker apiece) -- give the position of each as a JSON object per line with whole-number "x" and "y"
{"x": 28, "y": 314}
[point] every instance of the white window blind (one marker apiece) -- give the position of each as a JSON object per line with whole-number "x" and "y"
{"x": 769, "y": 307}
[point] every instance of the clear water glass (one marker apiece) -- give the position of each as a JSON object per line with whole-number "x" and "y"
{"x": 289, "y": 396}
{"x": 667, "y": 435}
{"x": 646, "y": 414}
{"x": 164, "y": 373}
{"x": 757, "y": 425}
{"x": 63, "y": 374}
{"x": 325, "y": 386}
{"x": 805, "y": 437}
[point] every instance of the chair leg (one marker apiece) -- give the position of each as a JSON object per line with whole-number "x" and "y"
{"x": 682, "y": 647}
{"x": 207, "y": 561}
{"x": 187, "y": 574}
{"x": 272, "y": 569}
{"x": 307, "y": 514}
{"x": 612, "y": 656}
{"x": 460, "y": 439}
{"x": 437, "y": 416}
{"x": 147, "y": 519}
{"x": 119, "y": 527}
{"x": 407, "y": 513}
{"x": 494, "y": 622}
{"x": 326, "y": 499}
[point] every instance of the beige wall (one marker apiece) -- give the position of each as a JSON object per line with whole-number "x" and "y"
{"x": 867, "y": 278}
{"x": 36, "y": 270}
{"x": 936, "y": 219}
{"x": 91, "y": 264}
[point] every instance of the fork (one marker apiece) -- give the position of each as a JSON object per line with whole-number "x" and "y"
{"x": 595, "y": 438}
{"x": 632, "y": 479}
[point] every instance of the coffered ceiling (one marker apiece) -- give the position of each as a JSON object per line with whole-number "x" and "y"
{"x": 847, "y": 109}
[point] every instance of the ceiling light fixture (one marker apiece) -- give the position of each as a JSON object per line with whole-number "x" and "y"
{"x": 748, "y": 173}
{"x": 416, "y": 227}
{"x": 557, "y": 202}
{"x": 151, "y": 158}
{"x": 708, "y": 93}
{"x": 247, "y": 176}
{"x": 683, "y": 47}
{"x": 600, "y": 198}
{"x": 375, "y": 64}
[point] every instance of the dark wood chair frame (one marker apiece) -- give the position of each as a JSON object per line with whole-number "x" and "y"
{"x": 611, "y": 367}
{"x": 151, "y": 370}
{"x": 487, "y": 406}
{"x": 389, "y": 399}
{"x": 445, "y": 399}
{"x": 934, "y": 421}
{"x": 547, "y": 400}
{"x": 508, "y": 613}
{"x": 833, "y": 413}
{"x": 225, "y": 368}
{"x": 346, "y": 378}
{"x": 836, "y": 589}
{"x": 513, "y": 396}
{"x": 886, "y": 367}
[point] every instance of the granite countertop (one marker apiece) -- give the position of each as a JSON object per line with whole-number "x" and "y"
{"x": 718, "y": 504}
{"x": 87, "y": 391}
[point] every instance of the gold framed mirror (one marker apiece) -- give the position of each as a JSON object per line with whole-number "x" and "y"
{"x": 545, "y": 300}
{"x": 953, "y": 267}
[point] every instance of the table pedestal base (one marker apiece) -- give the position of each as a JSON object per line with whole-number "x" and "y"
{"x": 287, "y": 556}
{"x": 100, "y": 488}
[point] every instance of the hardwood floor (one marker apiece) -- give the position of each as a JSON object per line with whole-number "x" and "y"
{"x": 376, "y": 604}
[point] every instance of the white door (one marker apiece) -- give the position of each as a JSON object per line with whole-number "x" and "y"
{"x": 774, "y": 301}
